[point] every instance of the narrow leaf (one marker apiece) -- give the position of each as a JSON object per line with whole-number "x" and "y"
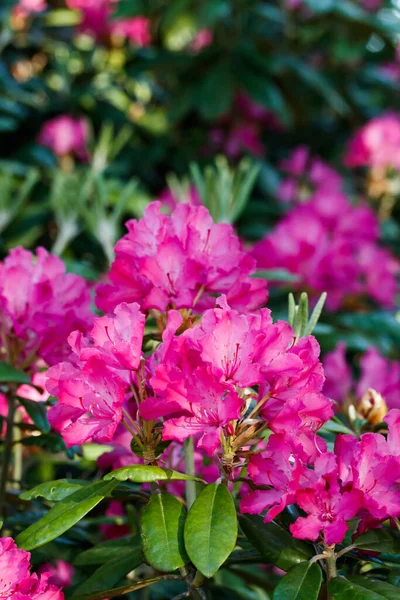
{"x": 37, "y": 412}
{"x": 110, "y": 573}
{"x": 211, "y": 529}
{"x": 315, "y": 315}
{"x": 162, "y": 532}
{"x": 105, "y": 551}
{"x": 10, "y": 374}
{"x": 64, "y": 515}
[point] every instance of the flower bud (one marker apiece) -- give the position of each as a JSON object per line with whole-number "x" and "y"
{"x": 372, "y": 407}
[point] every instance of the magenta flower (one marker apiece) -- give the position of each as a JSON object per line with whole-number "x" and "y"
{"x": 16, "y": 581}
{"x": 278, "y": 468}
{"x": 60, "y": 573}
{"x": 211, "y": 406}
{"x": 32, "y": 6}
{"x": 96, "y": 15}
{"x": 136, "y": 29}
{"x": 333, "y": 249}
{"x": 328, "y": 510}
{"x": 179, "y": 261}
{"x": 66, "y": 135}
{"x": 202, "y": 39}
{"x": 39, "y": 306}
{"x": 376, "y": 144}
{"x": 338, "y": 374}
{"x": 90, "y": 400}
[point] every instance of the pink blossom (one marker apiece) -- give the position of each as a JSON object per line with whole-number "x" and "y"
{"x": 307, "y": 175}
{"x": 202, "y": 39}
{"x": 176, "y": 261}
{"x": 135, "y": 29}
{"x": 170, "y": 198}
{"x": 36, "y": 588}
{"x": 331, "y": 251}
{"x": 279, "y": 469}
{"x": 32, "y": 6}
{"x": 40, "y": 305}
{"x": 96, "y": 16}
{"x": 14, "y": 567}
{"x": 338, "y": 374}
{"x": 376, "y": 144}
{"x": 16, "y": 581}
{"x": 328, "y": 510}
{"x": 60, "y": 573}
{"x": 90, "y": 400}
{"x": 382, "y": 375}
{"x": 66, "y": 135}
{"x": 30, "y": 392}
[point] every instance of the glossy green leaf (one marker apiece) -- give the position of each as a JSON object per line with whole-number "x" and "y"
{"x": 275, "y": 544}
{"x": 378, "y": 540}
{"x": 211, "y": 529}
{"x": 65, "y": 514}
{"x": 37, "y": 412}
{"x": 105, "y": 551}
{"x": 54, "y": 491}
{"x": 110, "y": 573}
{"x": 302, "y": 582}
{"x": 147, "y": 474}
{"x": 161, "y": 530}
{"x": 361, "y": 588}
{"x": 10, "y": 374}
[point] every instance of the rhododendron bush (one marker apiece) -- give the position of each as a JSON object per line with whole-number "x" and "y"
{"x": 199, "y": 291}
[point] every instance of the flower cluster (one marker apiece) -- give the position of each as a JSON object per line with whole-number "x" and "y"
{"x": 307, "y": 175}
{"x": 333, "y": 247}
{"x": 359, "y": 479}
{"x": 39, "y": 306}
{"x": 181, "y": 261}
{"x": 66, "y": 135}
{"x": 16, "y": 580}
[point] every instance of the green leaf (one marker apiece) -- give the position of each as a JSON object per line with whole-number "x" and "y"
{"x": 302, "y": 582}
{"x": 315, "y": 315}
{"x": 277, "y": 275}
{"x": 37, "y": 412}
{"x": 276, "y": 545}
{"x": 65, "y": 514}
{"x": 105, "y": 551}
{"x": 215, "y": 93}
{"x": 111, "y": 572}
{"x": 10, "y": 374}
{"x": 161, "y": 530}
{"x": 211, "y": 529}
{"x": 378, "y": 540}
{"x": 54, "y": 491}
{"x": 148, "y": 474}
{"x": 361, "y": 588}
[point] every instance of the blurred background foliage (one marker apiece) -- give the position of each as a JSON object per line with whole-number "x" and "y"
{"x": 171, "y": 110}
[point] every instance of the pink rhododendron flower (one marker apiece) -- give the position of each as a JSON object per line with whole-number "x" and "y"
{"x": 171, "y": 199}
{"x": 40, "y": 305}
{"x": 136, "y": 29}
{"x": 338, "y": 374}
{"x": 60, "y": 573}
{"x": 89, "y": 404}
{"x": 307, "y": 175}
{"x": 328, "y": 509}
{"x": 96, "y": 15}
{"x": 179, "y": 261}
{"x": 66, "y": 135}
{"x": 376, "y": 144}
{"x": 32, "y": 6}
{"x": 331, "y": 251}
{"x": 92, "y": 385}
{"x": 16, "y": 581}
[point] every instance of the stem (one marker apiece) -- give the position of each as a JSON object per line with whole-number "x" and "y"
{"x": 6, "y": 458}
{"x": 189, "y": 468}
{"x": 330, "y": 561}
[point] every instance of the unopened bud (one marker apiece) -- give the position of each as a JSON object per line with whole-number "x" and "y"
{"x": 372, "y": 407}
